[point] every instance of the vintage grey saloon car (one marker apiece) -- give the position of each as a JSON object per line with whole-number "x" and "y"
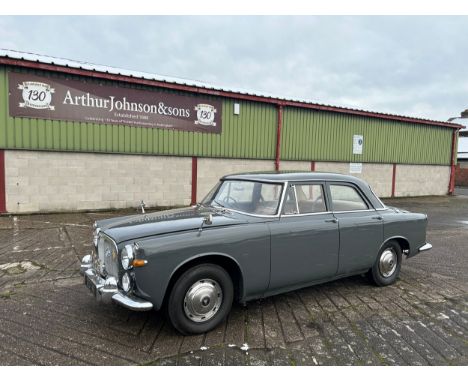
{"x": 254, "y": 235}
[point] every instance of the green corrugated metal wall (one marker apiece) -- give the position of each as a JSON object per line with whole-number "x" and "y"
{"x": 307, "y": 135}
{"x": 252, "y": 134}
{"x": 310, "y": 135}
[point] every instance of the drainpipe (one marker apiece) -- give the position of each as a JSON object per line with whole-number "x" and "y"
{"x": 278, "y": 137}
{"x": 463, "y": 115}
{"x": 451, "y": 187}
{"x": 2, "y": 182}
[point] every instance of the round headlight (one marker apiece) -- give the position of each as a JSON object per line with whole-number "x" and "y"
{"x": 127, "y": 257}
{"x": 126, "y": 282}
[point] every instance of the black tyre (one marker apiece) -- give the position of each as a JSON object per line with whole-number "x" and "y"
{"x": 200, "y": 299}
{"x": 387, "y": 265}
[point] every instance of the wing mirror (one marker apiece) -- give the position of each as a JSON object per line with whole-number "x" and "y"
{"x": 207, "y": 220}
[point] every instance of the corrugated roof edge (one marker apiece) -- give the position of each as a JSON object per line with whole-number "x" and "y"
{"x": 16, "y": 58}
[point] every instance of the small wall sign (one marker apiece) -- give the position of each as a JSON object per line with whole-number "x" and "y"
{"x": 358, "y": 143}
{"x": 355, "y": 168}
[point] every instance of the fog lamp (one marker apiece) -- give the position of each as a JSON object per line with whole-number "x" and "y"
{"x": 126, "y": 282}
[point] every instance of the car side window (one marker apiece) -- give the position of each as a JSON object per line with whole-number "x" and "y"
{"x": 304, "y": 199}
{"x": 346, "y": 198}
{"x": 267, "y": 198}
{"x": 310, "y": 198}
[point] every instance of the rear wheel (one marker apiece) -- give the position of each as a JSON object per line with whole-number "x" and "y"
{"x": 200, "y": 299}
{"x": 387, "y": 266}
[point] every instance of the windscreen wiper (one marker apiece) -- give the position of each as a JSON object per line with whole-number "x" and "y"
{"x": 218, "y": 203}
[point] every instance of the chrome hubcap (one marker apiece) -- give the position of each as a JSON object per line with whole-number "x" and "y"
{"x": 203, "y": 300}
{"x": 388, "y": 262}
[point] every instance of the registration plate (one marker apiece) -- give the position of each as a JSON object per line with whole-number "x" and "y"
{"x": 90, "y": 285}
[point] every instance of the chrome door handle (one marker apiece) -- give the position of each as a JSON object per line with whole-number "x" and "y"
{"x": 377, "y": 217}
{"x": 334, "y": 220}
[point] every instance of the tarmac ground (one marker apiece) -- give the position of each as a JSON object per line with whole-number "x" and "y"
{"x": 48, "y": 317}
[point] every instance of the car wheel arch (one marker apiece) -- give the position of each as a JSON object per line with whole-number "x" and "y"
{"x": 402, "y": 241}
{"x": 227, "y": 262}
{"x": 388, "y": 261}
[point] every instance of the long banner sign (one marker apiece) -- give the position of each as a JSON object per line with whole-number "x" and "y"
{"x": 77, "y": 100}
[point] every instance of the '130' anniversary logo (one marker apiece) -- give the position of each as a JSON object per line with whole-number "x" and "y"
{"x": 36, "y": 95}
{"x": 205, "y": 114}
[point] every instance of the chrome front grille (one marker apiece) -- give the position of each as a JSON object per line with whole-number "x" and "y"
{"x": 108, "y": 257}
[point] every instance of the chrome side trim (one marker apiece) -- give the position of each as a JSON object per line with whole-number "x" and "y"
{"x": 425, "y": 247}
{"x": 306, "y": 214}
{"x": 295, "y": 197}
{"x": 248, "y": 214}
{"x": 311, "y": 213}
{"x": 228, "y": 177}
{"x": 283, "y": 196}
{"x": 352, "y": 211}
{"x": 378, "y": 199}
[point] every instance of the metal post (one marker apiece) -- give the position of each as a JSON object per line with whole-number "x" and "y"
{"x": 2, "y": 182}
{"x": 278, "y": 137}
{"x": 194, "y": 180}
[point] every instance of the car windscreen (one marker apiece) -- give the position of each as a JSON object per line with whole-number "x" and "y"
{"x": 250, "y": 197}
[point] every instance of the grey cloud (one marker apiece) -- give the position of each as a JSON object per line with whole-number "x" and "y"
{"x": 404, "y": 65}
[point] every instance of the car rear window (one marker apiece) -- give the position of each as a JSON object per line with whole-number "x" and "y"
{"x": 346, "y": 198}
{"x": 309, "y": 199}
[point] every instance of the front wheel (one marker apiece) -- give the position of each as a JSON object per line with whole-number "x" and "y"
{"x": 387, "y": 266}
{"x": 200, "y": 299}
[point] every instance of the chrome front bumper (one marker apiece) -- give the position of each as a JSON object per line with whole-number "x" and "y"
{"x": 105, "y": 289}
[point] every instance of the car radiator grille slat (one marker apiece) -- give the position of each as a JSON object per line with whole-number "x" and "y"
{"x": 108, "y": 258}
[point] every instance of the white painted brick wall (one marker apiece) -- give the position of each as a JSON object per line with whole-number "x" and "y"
{"x": 51, "y": 181}
{"x": 379, "y": 176}
{"x": 419, "y": 180}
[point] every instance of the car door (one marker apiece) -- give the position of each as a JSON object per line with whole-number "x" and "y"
{"x": 360, "y": 225}
{"x": 305, "y": 239}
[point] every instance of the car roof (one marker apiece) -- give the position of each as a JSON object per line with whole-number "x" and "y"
{"x": 292, "y": 176}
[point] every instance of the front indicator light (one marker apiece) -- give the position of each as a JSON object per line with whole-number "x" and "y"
{"x": 139, "y": 263}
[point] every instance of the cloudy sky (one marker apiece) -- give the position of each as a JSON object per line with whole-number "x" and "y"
{"x": 415, "y": 66}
